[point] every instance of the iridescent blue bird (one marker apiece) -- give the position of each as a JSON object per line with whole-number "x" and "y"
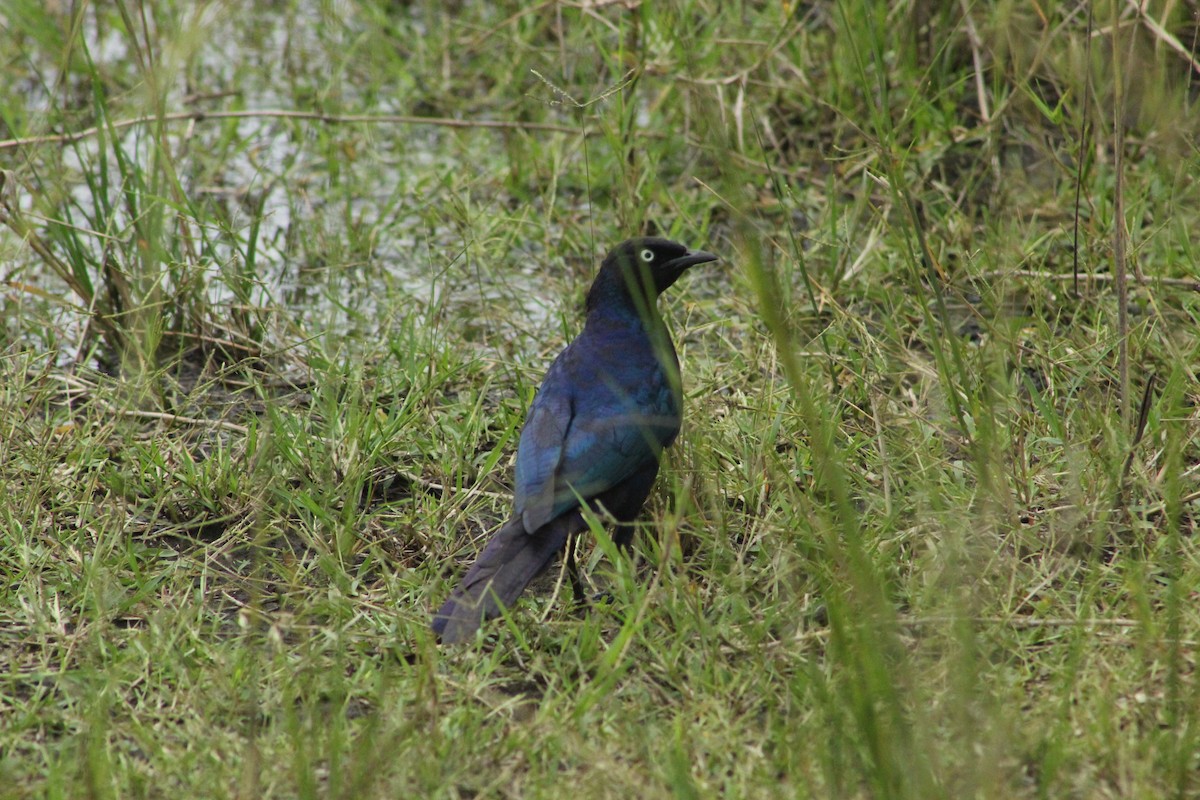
{"x": 608, "y": 406}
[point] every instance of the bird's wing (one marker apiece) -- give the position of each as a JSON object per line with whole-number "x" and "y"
{"x": 539, "y": 453}
{"x": 602, "y": 450}
{"x": 582, "y": 438}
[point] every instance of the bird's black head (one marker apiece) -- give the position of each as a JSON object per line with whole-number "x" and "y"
{"x": 643, "y": 268}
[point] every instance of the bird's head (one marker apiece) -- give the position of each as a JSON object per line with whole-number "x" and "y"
{"x": 643, "y": 268}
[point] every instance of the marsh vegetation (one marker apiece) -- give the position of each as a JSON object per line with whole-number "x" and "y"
{"x": 279, "y": 281}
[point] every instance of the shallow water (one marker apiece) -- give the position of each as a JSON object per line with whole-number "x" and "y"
{"x": 357, "y": 222}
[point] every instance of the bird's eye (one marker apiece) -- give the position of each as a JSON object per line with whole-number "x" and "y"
{"x": 647, "y": 255}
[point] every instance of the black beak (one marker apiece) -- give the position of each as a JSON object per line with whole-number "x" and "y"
{"x": 690, "y": 259}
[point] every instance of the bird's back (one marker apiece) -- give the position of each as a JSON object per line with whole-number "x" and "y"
{"x": 613, "y": 400}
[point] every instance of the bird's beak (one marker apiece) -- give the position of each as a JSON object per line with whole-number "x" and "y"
{"x": 690, "y": 259}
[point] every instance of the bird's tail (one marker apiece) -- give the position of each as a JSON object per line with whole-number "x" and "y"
{"x": 506, "y": 566}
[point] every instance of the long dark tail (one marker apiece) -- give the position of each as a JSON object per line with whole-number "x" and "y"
{"x": 506, "y": 566}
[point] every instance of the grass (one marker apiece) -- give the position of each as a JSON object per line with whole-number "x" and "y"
{"x": 261, "y": 379}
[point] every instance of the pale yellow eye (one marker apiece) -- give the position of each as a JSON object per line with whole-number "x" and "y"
{"x": 647, "y": 255}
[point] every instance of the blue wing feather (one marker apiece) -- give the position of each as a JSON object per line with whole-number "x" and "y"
{"x": 604, "y": 410}
{"x": 539, "y": 453}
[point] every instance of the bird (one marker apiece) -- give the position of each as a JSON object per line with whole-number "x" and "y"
{"x": 608, "y": 406}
